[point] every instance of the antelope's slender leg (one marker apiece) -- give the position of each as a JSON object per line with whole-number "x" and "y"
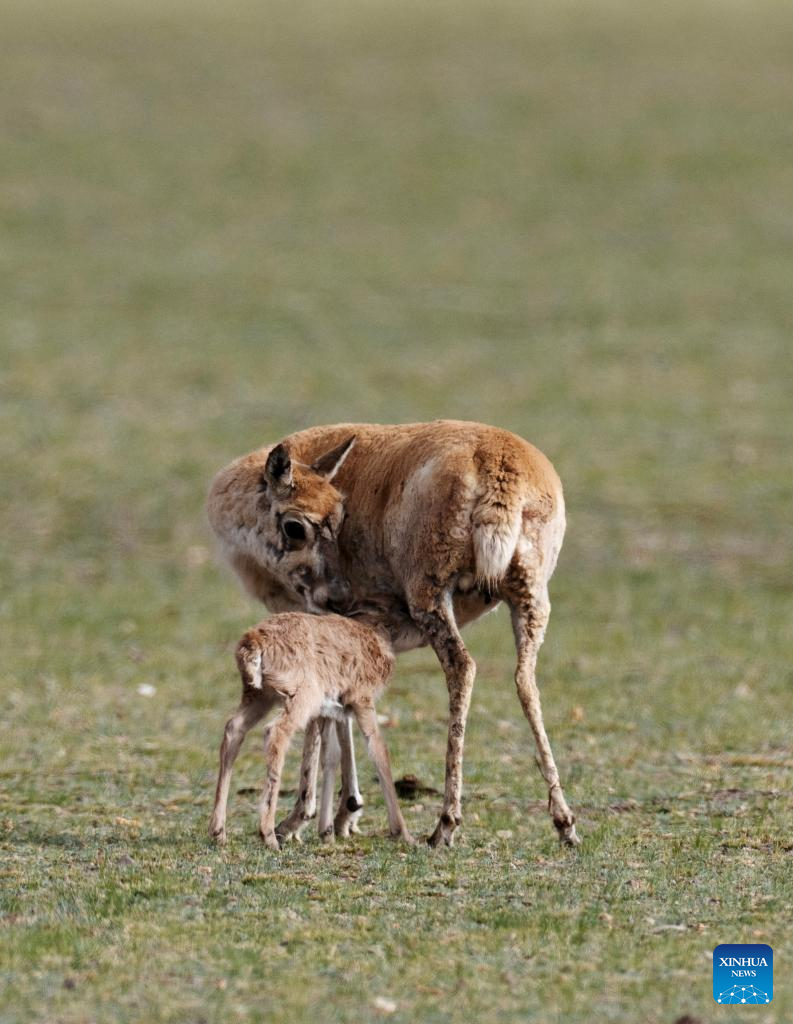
{"x": 278, "y": 743}
{"x": 351, "y": 802}
{"x": 252, "y": 709}
{"x": 331, "y": 756}
{"x": 367, "y": 720}
{"x": 306, "y": 803}
{"x": 440, "y": 629}
{"x": 529, "y": 620}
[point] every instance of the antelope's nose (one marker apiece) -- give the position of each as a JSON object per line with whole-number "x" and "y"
{"x": 339, "y": 596}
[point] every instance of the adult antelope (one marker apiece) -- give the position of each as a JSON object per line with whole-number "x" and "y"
{"x": 439, "y": 522}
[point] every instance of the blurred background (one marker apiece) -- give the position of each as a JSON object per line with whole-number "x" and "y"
{"x": 222, "y": 223}
{"x": 219, "y": 227}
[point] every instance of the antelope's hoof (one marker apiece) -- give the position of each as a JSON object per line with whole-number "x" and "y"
{"x": 328, "y": 836}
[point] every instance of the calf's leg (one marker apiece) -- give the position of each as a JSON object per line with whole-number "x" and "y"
{"x": 252, "y": 709}
{"x": 331, "y": 756}
{"x": 367, "y": 720}
{"x": 351, "y": 802}
{"x": 306, "y": 803}
{"x": 278, "y": 743}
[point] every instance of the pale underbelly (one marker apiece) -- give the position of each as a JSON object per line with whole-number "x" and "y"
{"x": 469, "y": 607}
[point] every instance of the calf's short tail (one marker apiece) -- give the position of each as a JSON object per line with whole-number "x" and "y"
{"x": 249, "y": 662}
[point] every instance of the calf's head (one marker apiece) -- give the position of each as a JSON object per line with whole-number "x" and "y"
{"x": 304, "y": 513}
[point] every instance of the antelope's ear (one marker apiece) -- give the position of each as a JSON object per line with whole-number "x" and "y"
{"x": 278, "y": 469}
{"x": 330, "y": 463}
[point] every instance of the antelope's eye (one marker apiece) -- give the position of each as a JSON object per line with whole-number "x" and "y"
{"x": 293, "y": 529}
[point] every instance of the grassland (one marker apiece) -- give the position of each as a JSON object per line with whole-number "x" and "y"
{"x": 219, "y": 225}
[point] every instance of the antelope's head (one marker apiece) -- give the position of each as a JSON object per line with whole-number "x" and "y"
{"x": 304, "y": 513}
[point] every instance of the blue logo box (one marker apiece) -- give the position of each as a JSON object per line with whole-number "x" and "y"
{"x": 743, "y": 973}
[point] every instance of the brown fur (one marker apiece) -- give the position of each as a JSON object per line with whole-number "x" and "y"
{"x": 305, "y": 664}
{"x": 443, "y": 520}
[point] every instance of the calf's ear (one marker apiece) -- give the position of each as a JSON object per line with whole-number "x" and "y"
{"x": 330, "y": 463}
{"x": 278, "y": 469}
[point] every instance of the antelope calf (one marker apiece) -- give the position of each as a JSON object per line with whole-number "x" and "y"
{"x": 314, "y": 667}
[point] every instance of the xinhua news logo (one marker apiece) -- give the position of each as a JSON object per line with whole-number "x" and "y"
{"x": 743, "y": 973}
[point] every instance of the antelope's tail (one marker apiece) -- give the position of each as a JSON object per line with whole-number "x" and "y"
{"x": 496, "y": 521}
{"x": 494, "y": 546}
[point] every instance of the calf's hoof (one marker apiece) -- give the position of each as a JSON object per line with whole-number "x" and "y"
{"x": 404, "y": 837}
{"x": 345, "y": 825}
{"x": 270, "y": 840}
{"x": 217, "y": 833}
{"x": 567, "y": 834}
{"x": 287, "y": 837}
{"x": 444, "y": 830}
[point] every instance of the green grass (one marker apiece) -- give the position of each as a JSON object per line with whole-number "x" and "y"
{"x": 218, "y": 226}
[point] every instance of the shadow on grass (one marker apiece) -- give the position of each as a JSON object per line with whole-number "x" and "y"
{"x": 72, "y": 840}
